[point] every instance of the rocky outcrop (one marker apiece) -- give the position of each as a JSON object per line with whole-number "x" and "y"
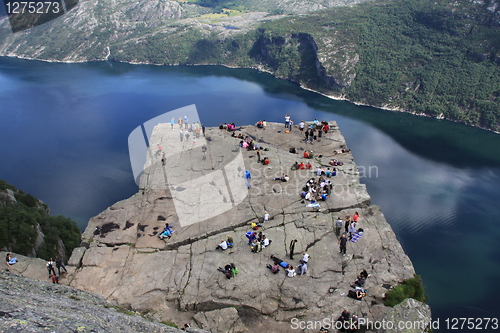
{"x": 176, "y": 279}
{"x": 409, "y": 316}
{"x": 29, "y": 305}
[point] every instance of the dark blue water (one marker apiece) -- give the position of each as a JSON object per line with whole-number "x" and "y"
{"x": 64, "y": 130}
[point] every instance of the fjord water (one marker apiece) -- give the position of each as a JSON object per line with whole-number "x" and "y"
{"x": 64, "y": 130}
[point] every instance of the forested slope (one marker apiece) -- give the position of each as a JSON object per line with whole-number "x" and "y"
{"x": 28, "y": 228}
{"x": 439, "y": 58}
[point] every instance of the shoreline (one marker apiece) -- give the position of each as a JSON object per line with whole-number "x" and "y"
{"x": 262, "y": 70}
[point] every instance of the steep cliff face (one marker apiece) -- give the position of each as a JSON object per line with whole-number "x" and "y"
{"x": 176, "y": 279}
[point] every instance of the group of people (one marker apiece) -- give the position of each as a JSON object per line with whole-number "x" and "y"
{"x": 261, "y": 124}
{"x": 315, "y": 190}
{"x": 52, "y": 272}
{"x": 225, "y": 244}
{"x": 301, "y": 166}
{"x": 351, "y": 231}
{"x": 315, "y": 131}
{"x": 183, "y": 123}
{"x": 231, "y": 127}
{"x": 290, "y": 271}
{"x": 257, "y": 240}
{"x": 230, "y": 270}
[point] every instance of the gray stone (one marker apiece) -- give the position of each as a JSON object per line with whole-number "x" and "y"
{"x": 224, "y": 321}
{"x": 29, "y": 305}
{"x": 409, "y": 316}
{"x": 76, "y": 257}
{"x": 129, "y": 265}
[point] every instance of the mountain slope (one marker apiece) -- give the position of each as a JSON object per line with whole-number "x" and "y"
{"x": 438, "y": 58}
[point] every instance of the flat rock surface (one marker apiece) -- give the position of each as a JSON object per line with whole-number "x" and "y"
{"x": 205, "y": 200}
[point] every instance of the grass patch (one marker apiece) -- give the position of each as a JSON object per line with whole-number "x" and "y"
{"x": 410, "y": 288}
{"x": 169, "y": 323}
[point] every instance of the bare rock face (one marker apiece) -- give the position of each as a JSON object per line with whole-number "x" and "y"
{"x": 29, "y": 305}
{"x": 409, "y": 316}
{"x": 123, "y": 259}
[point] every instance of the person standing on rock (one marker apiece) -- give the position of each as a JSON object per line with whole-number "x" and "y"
{"x": 172, "y": 122}
{"x": 355, "y": 217}
{"x": 258, "y": 155}
{"x": 347, "y": 224}
{"x": 287, "y": 120}
{"x": 50, "y": 267}
{"x": 343, "y": 244}
{"x": 59, "y": 265}
{"x": 290, "y": 124}
{"x": 338, "y": 225}
{"x": 266, "y": 217}
{"x": 292, "y": 248}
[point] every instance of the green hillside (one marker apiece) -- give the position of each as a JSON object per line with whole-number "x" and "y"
{"x": 439, "y": 58}
{"x": 20, "y": 216}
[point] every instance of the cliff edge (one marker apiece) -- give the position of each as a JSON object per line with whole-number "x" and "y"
{"x": 176, "y": 279}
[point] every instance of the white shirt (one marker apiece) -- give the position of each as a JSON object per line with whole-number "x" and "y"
{"x": 266, "y": 217}
{"x": 305, "y": 258}
{"x": 223, "y": 245}
{"x": 265, "y": 242}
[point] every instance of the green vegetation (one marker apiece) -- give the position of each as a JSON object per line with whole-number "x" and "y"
{"x": 169, "y": 323}
{"x": 410, "y": 288}
{"x": 436, "y": 58}
{"x": 439, "y": 58}
{"x": 19, "y": 221}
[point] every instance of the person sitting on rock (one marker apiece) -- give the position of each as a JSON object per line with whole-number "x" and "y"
{"x": 229, "y": 241}
{"x": 256, "y": 246}
{"x": 358, "y": 293}
{"x": 364, "y": 274}
{"x": 265, "y": 242}
{"x": 360, "y": 282}
{"x": 167, "y": 232}
{"x": 309, "y": 166}
{"x": 301, "y": 166}
{"x": 234, "y": 269}
{"x": 256, "y": 226}
{"x": 275, "y": 268}
{"x": 251, "y": 236}
{"x": 283, "y": 178}
{"x": 265, "y": 161}
{"x": 295, "y": 166}
{"x": 55, "y": 278}
{"x": 306, "y": 154}
{"x": 290, "y": 271}
{"x": 302, "y": 269}
{"x": 227, "y": 270}
{"x": 222, "y": 246}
